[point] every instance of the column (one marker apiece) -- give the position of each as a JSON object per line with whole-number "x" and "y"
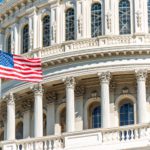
{"x": 10, "y": 117}
{"x": 1, "y": 39}
{"x": 38, "y": 111}
{"x": 15, "y": 38}
{"x": 105, "y": 106}
{"x": 50, "y": 118}
{"x": 26, "y": 119}
{"x": 70, "y": 107}
{"x": 141, "y": 96}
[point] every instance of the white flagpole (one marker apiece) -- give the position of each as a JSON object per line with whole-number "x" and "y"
{"x": 0, "y": 88}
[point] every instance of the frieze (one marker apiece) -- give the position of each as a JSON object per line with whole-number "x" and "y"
{"x": 51, "y": 97}
{"x": 79, "y": 91}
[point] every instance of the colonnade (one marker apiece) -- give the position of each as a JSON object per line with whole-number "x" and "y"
{"x": 104, "y": 77}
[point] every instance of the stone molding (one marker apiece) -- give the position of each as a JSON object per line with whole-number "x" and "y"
{"x": 141, "y": 74}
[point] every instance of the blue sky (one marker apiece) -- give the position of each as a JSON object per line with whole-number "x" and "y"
{"x": 1, "y": 1}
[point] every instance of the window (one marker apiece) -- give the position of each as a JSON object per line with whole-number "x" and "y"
{"x": 96, "y": 117}
{"x": 9, "y": 44}
{"x": 46, "y": 31}
{"x": 148, "y": 8}
{"x": 25, "y": 38}
{"x": 126, "y": 114}
{"x": 124, "y": 17}
{"x": 19, "y": 130}
{"x": 96, "y": 20}
{"x": 70, "y": 34}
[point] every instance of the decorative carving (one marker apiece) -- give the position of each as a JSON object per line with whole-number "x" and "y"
{"x": 38, "y": 90}
{"x": 70, "y": 82}
{"x": 139, "y": 18}
{"x": 80, "y": 24}
{"x": 19, "y": 115}
{"x": 125, "y": 90}
{"x": 69, "y": 4}
{"x": 94, "y": 94}
{"x": 26, "y": 105}
{"x": 51, "y": 97}
{"x": 79, "y": 90}
{"x": 10, "y": 99}
{"x": 141, "y": 74}
{"x": 104, "y": 76}
{"x": 108, "y": 20}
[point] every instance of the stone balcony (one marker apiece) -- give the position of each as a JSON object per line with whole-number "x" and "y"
{"x": 127, "y": 137}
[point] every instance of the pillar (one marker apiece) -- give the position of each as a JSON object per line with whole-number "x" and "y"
{"x": 1, "y": 39}
{"x": 38, "y": 110}
{"x": 105, "y": 106}
{"x": 141, "y": 96}
{"x": 70, "y": 106}
{"x": 10, "y": 117}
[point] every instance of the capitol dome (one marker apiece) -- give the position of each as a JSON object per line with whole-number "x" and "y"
{"x": 95, "y": 92}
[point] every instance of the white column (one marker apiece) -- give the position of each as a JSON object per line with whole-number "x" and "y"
{"x": 70, "y": 106}
{"x": 10, "y": 117}
{"x": 15, "y": 39}
{"x": 141, "y": 96}
{"x": 35, "y": 30}
{"x": 50, "y": 118}
{"x": 1, "y": 39}
{"x": 105, "y": 106}
{"x": 26, "y": 124}
{"x": 38, "y": 111}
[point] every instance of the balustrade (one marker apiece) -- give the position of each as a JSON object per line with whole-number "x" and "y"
{"x": 100, "y": 42}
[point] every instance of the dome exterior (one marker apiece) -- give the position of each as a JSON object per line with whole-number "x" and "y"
{"x": 95, "y": 92}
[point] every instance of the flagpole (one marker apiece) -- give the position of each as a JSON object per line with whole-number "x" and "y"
{"x": 0, "y": 88}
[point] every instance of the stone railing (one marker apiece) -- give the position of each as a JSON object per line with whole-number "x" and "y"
{"x": 117, "y": 138}
{"x": 87, "y": 44}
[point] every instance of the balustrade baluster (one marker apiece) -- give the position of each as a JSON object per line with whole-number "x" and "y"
{"x": 49, "y": 145}
{"x": 45, "y": 145}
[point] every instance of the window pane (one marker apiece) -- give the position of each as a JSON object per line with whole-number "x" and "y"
{"x": 124, "y": 17}
{"x": 25, "y": 39}
{"x": 46, "y": 31}
{"x": 96, "y": 20}
{"x": 70, "y": 24}
{"x": 9, "y": 44}
{"x": 126, "y": 114}
{"x": 96, "y": 117}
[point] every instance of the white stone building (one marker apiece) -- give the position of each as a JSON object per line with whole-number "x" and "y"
{"x": 95, "y": 92}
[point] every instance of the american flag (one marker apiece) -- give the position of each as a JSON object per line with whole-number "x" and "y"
{"x": 20, "y": 68}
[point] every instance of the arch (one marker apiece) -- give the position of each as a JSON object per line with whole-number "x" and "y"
{"x": 46, "y": 30}
{"x": 70, "y": 24}
{"x": 124, "y": 17}
{"x": 96, "y": 19}
{"x": 19, "y": 130}
{"x": 86, "y": 108}
{"x": 25, "y": 38}
{"x": 121, "y": 100}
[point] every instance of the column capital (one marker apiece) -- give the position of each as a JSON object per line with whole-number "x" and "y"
{"x": 69, "y": 81}
{"x": 141, "y": 74}
{"x": 104, "y": 77}
{"x": 10, "y": 99}
{"x": 38, "y": 89}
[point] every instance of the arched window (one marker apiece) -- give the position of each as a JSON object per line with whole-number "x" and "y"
{"x": 46, "y": 31}
{"x": 25, "y": 39}
{"x": 96, "y": 20}
{"x": 63, "y": 120}
{"x": 126, "y": 114}
{"x": 70, "y": 34}
{"x": 124, "y": 17}
{"x": 9, "y": 44}
{"x": 19, "y": 130}
{"x": 96, "y": 117}
{"x": 148, "y": 8}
